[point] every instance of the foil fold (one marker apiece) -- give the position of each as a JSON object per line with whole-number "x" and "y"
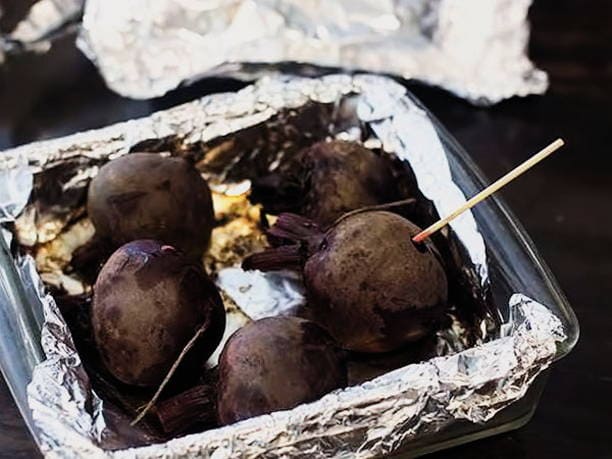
{"x": 369, "y": 419}
{"x": 13, "y": 199}
{"x": 376, "y": 418}
{"x": 45, "y": 21}
{"x": 473, "y": 48}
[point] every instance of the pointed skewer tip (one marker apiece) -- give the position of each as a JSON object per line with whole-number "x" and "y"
{"x": 492, "y": 188}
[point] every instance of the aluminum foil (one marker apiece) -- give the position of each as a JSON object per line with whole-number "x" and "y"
{"x": 232, "y": 137}
{"x": 473, "y": 48}
{"x": 144, "y": 48}
{"x": 45, "y": 21}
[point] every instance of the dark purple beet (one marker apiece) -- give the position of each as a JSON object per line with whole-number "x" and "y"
{"x": 276, "y": 364}
{"x": 147, "y": 196}
{"x": 328, "y": 179}
{"x": 149, "y": 300}
{"x": 366, "y": 281}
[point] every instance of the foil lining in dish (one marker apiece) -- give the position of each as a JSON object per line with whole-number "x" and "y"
{"x": 475, "y": 49}
{"x": 233, "y": 137}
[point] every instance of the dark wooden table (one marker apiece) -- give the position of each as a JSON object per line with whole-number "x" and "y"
{"x": 565, "y": 204}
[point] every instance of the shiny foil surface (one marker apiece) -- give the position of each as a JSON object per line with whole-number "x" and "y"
{"x": 46, "y": 20}
{"x": 474, "y": 373}
{"x": 475, "y": 49}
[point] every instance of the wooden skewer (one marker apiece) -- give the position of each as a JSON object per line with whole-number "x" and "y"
{"x": 488, "y": 191}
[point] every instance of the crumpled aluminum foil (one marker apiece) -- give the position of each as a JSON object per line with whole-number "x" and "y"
{"x": 251, "y": 131}
{"x": 45, "y": 21}
{"x": 473, "y": 48}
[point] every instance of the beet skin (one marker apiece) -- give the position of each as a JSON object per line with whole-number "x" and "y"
{"x": 147, "y": 196}
{"x": 366, "y": 282}
{"x": 149, "y": 300}
{"x": 276, "y": 364}
{"x": 328, "y": 179}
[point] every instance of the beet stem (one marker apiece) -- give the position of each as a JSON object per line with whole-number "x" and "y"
{"x": 385, "y": 206}
{"x": 294, "y": 228}
{"x": 275, "y": 259}
{"x": 195, "y": 405}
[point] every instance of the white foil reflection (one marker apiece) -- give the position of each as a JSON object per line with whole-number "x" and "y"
{"x": 473, "y": 48}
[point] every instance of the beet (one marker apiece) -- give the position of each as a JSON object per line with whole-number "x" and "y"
{"x": 147, "y": 196}
{"x": 328, "y": 179}
{"x": 149, "y": 300}
{"x": 276, "y": 364}
{"x": 366, "y": 282}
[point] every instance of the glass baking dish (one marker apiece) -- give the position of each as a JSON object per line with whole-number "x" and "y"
{"x": 514, "y": 266}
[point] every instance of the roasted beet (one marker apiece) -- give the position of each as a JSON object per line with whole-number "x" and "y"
{"x": 366, "y": 281}
{"x": 327, "y": 180}
{"x": 276, "y": 364}
{"x": 147, "y": 196}
{"x": 149, "y": 300}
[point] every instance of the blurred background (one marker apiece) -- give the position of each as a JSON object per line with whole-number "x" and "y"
{"x": 564, "y": 203}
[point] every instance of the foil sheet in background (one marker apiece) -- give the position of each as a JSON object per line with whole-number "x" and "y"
{"x": 370, "y": 419}
{"x": 45, "y": 21}
{"x": 144, "y": 48}
{"x": 473, "y": 48}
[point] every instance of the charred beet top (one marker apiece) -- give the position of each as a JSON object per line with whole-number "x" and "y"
{"x": 328, "y": 179}
{"x": 144, "y": 195}
{"x": 275, "y": 364}
{"x": 366, "y": 281}
{"x": 149, "y": 300}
